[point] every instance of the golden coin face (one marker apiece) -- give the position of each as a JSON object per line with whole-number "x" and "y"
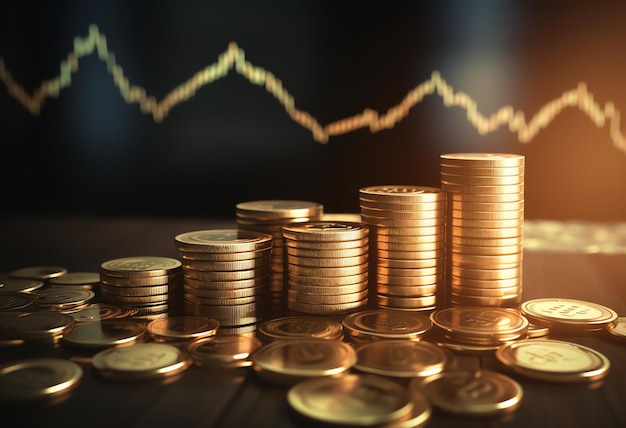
{"x": 276, "y": 209}
{"x": 326, "y": 231}
{"x": 553, "y": 360}
{"x": 400, "y": 358}
{"x": 480, "y": 322}
{"x": 401, "y": 192}
{"x": 303, "y": 326}
{"x": 32, "y": 379}
{"x": 12, "y": 300}
{"x": 141, "y": 361}
{"x": 387, "y": 323}
{"x": 140, "y": 266}
{"x": 105, "y": 333}
{"x": 223, "y": 240}
{"x": 183, "y": 327}
{"x": 354, "y": 399}
{"x": 224, "y": 351}
{"x": 76, "y": 278}
{"x": 483, "y": 159}
{"x": 617, "y": 328}
{"x": 467, "y": 392}
{"x": 568, "y": 312}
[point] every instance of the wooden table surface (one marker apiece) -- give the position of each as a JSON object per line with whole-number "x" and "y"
{"x": 214, "y": 397}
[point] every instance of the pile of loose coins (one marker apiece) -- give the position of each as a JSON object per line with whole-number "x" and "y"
{"x": 327, "y": 267}
{"x": 151, "y": 285}
{"x": 227, "y": 275}
{"x": 485, "y": 219}
{"x": 407, "y": 238}
{"x": 269, "y": 216}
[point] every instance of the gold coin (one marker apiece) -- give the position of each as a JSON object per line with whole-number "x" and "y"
{"x": 326, "y": 231}
{"x": 13, "y": 300}
{"x": 509, "y": 301}
{"x": 59, "y": 298}
{"x": 408, "y": 280}
{"x": 325, "y": 308}
{"x": 22, "y": 285}
{"x": 278, "y": 209}
{"x": 489, "y": 323}
{"x": 470, "y": 392}
{"x": 342, "y": 217}
{"x": 35, "y": 378}
{"x": 105, "y": 333}
{"x": 260, "y": 225}
{"x": 324, "y": 262}
{"x": 325, "y": 246}
{"x": 482, "y": 171}
{"x": 41, "y": 273}
{"x": 486, "y": 250}
{"x": 38, "y": 325}
{"x": 216, "y": 301}
{"x": 409, "y": 255}
{"x": 242, "y": 284}
{"x": 224, "y": 257}
{"x": 493, "y": 198}
{"x": 486, "y": 274}
{"x": 141, "y": 266}
{"x": 409, "y": 263}
{"x": 482, "y": 233}
{"x": 138, "y": 291}
{"x": 484, "y": 261}
{"x": 488, "y": 190}
{"x": 352, "y": 400}
{"x": 223, "y": 241}
{"x": 305, "y": 280}
{"x": 410, "y": 247}
{"x": 553, "y": 360}
{"x": 485, "y": 206}
{"x": 98, "y": 312}
{"x": 288, "y": 361}
{"x": 464, "y": 290}
{"x": 327, "y": 271}
{"x": 486, "y": 215}
{"x": 132, "y": 281}
{"x": 568, "y": 313}
{"x": 401, "y": 358}
{"x": 459, "y": 241}
{"x": 380, "y": 238}
{"x": 400, "y": 193}
{"x": 469, "y": 223}
{"x": 231, "y": 315}
{"x": 224, "y": 351}
{"x": 407, "y": 205}
{"x": 226, "y": 275}
{"x": 386, "y": 324}
{"x": 617, "y": 328}
{"x": 480, "y": 180}
{"x": 482, "y": 160}
{"x": 328, "y": 289}
{"x": 182, "y": 327}
{"x": 413, "y": 223}
{"x": 137, "y": 300}
{"x": 75, "y": 279}
{"x": 406, "y": 302}
{"x": 301, "y": 327}
{"x": 327, "y": 299}
{"x": 239, "y": 265}
{"x": 402, "y": 215}
{"x": 141, "y": 361}
{"x": 421, "y": 232}
{"x": 321, "y": 253}
{"x": 228, "y": 294}
{"x": 407, "y": 290}
{"x": 434, "y": 270}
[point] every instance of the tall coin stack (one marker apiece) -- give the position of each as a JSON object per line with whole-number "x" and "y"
{"x": 485, "y": 217}
{"x": 407, "y": 226}
{"x": 151, "y": 286}
{"x": 327, "y": 267}
{"x": 269, "y": 216}
{"x": 226, "y": 274}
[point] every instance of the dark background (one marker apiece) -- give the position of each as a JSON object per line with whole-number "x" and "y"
{"x": 90, "y": 153}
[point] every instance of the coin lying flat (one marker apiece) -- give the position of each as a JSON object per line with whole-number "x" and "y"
{"x": 37, "y": 378}
{"x": 141, "y": 266}
{"x": 183, "y": 327}
{"x": 19, "y": 284}
{"x": 386, "y": 324}
{"x": 468, "y": 392}
{"x": 42, "y": 273}
{"x": 352, "y": 400}
{"x": 102, "y": 334}
{"x": 574, "y": 314}
{"x": 298, "y": 327}
{"x": 231, "y": 350}
{"x": 553, "y": 360}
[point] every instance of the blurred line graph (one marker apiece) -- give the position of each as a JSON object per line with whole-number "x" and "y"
{"x": 234, "y": 59}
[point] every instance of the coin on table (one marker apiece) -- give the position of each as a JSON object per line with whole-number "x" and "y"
{"x": 23, "y": 285}
{"x": 553, "y": 360}
{"x": 223, "y": 241}
{"x": 572, "y": 314}
{"x": 324, "y": 231}
{"x": 617, "y": 328}
{"x": 62, "y": 298}
{"x": 141, "y": 266}
{"x": 301, "y": 326}
{"x": 86, "y": 280}
{"x": 42, "y": 273}
{"x": 14, "y": 300}
{"x": 105, "y": 333}
{"x": 401, "y": 358}
{"x": 98, "y": 312}
{"x": 278, "y": 209}
{"x": 183, "y": 327}
{"x": 386, "y": 324}
{"x": 39, "y": 325}
{"x": 287, "y": 361}
{"x": 230, "y": 350}
{"x": 36, "y": 378}
{"x": 351, "y": 400}
{"x": 141, "y": 361}
{"x": 470, "y": 392}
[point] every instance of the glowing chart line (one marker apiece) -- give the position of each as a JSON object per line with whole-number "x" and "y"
{"x": 234, "y": 59}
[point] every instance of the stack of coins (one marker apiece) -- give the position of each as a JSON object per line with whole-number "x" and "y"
{"x": 268, "y": 216}
{"x": 407, "y": 237}
{"x": 150, "y": 285}
{"x": 485, "y": 219}
{"x": 327, "y": 267}
{"x": 226, "y": 274}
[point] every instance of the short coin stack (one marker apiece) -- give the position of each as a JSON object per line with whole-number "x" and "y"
{"x": 485, "y": 219}
{"x": 407, "y": 236}
{"x": 327, "y": 267}
{"x": 226, "y": 274}
{"x": 268, "y": 216}
{"x": 150, "y": 285}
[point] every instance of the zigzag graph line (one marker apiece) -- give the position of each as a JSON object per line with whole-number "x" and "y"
{"x": 234, "y": 59}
